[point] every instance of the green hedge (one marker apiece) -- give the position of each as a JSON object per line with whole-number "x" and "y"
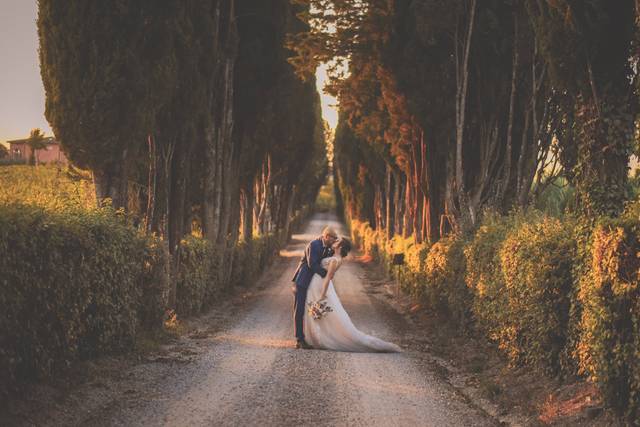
{"x": 77, "y": 283}
{"x": 375, "y": 244}
{"x": 537, "y": 263}
{"x": 70, "y": 288}
{"x": 199, "y": 278}
{"x": 609, "y": 346}
{"x": 484, "y": 277}
{"x": 154, "y": 284}
{"x": 250, "y": 258}
{"x": 196, "y": 276}
{"x": 446, "y": 290}
{"x": 433, "y": 274}
{"x": 555, "y": 294}
{"x": 200, "y": 281}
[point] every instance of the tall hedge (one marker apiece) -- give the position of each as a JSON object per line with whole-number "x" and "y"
{"x": 446, "y": 289}
{"x": 484, "y": 278}
{"x": 78, "y": 283}
{"x": 196, "y": 279}
{"x": 376, "y": 245}
{"x": 537, "y": 263}
{"x": 71, "y": 287}
{"x": 555, "y": 294}
{"x": 609, "y": 344}
{"x": 199, "y": 278}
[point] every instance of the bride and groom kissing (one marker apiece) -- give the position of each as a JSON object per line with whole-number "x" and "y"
{"x": 320, "y": 320}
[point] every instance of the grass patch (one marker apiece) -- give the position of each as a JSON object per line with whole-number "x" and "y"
{"x": 51, "y": 187}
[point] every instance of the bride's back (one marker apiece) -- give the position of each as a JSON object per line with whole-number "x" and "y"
{"x": 326, "y": 261}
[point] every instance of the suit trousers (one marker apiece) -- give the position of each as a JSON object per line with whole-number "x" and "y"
{"x": 299, "y": 306}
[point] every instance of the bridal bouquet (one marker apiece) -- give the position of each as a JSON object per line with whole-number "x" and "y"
{"x": 318, "y": 309}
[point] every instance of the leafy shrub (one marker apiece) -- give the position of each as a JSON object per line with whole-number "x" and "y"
{"x": 446, "y": 290}
{"x": 77, "y": 281}
{"x": 609, "y": 346}
{"x": 537, "y": 262}
{"x": 196, "y": 273}
{"x": 371, "y": 241}
{"x": 245, "y": 265}
{"x": 490, "y": 306}
{"x": 552, "y": 292}
{"x": 374, "y": 243}
{"x": 520, "y": 268}
{"x": 154, "y": 284}
{"x": 203, "y": 274}
{"x": 250, "y": 258}
{"x": 70, "y": 288}
{"x": 411, "y": 275}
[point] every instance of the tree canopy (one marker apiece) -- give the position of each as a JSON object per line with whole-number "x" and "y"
{"x": 469, "y": 105}
{"x": 187, "y": 113}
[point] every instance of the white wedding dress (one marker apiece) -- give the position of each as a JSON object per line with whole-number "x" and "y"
{"x": 335, "y": 331}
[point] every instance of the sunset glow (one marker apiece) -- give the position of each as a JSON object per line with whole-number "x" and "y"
{"x": 22, "y": 105}
{"x": 329, "y": 103}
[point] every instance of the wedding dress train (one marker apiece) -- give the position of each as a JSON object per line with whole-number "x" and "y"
{"x": 335, "y": 330}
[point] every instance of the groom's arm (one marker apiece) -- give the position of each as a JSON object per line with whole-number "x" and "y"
{"x": 314, "y": 257}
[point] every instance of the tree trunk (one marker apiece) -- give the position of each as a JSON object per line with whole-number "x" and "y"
{"x": 417, "y": 195}
{"x": 265, "y": 193}
{"x": 506, "y": 178}
{"x": 289, "y": 211}
{"x": 178, "y": 196}
{"x": 390, "y": 207}
{"x": 522, "y": 188}
{"x": 219, "y": 132}
{"x": 407, "y": 227}
{"x": 246, "y": 213}
{"x": 398, "y": 203}
{"x": 151, "y": 184}
{"x": 461, "y": 107}
{"x": 112, "y": 183}
{"x": 209, "y": 215}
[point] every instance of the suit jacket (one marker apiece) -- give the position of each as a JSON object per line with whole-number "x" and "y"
{"x": 310, "y": 263}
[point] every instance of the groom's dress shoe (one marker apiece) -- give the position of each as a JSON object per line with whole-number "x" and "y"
{"x": 303, "y": 345}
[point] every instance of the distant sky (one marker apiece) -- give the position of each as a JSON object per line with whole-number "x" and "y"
{"x": 329, "y": 103}
{"x": 21, "y": 91}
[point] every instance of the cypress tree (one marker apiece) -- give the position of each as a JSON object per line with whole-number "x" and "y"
{"x": 102, "y": 76}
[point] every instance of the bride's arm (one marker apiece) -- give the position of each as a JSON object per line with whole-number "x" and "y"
{"x": 333, "y": 264}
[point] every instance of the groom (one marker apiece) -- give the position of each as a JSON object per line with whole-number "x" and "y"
{"x": 308, "y": 266}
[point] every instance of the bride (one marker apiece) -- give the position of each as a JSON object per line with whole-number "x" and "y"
{"x": 334, "y": 329}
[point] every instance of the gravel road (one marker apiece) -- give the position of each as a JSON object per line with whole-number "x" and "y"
{"x": 248, "y": 373}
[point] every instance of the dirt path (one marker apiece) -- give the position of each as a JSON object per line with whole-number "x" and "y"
{"x": 248, "y": 373}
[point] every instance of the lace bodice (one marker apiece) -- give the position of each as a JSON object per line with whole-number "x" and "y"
{"x": 325, "y": 261}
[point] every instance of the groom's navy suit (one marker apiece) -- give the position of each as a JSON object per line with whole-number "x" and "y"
{"x": 309, "y": 265}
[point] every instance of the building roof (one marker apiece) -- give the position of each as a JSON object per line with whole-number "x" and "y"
{"x": 47, "y": 140}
